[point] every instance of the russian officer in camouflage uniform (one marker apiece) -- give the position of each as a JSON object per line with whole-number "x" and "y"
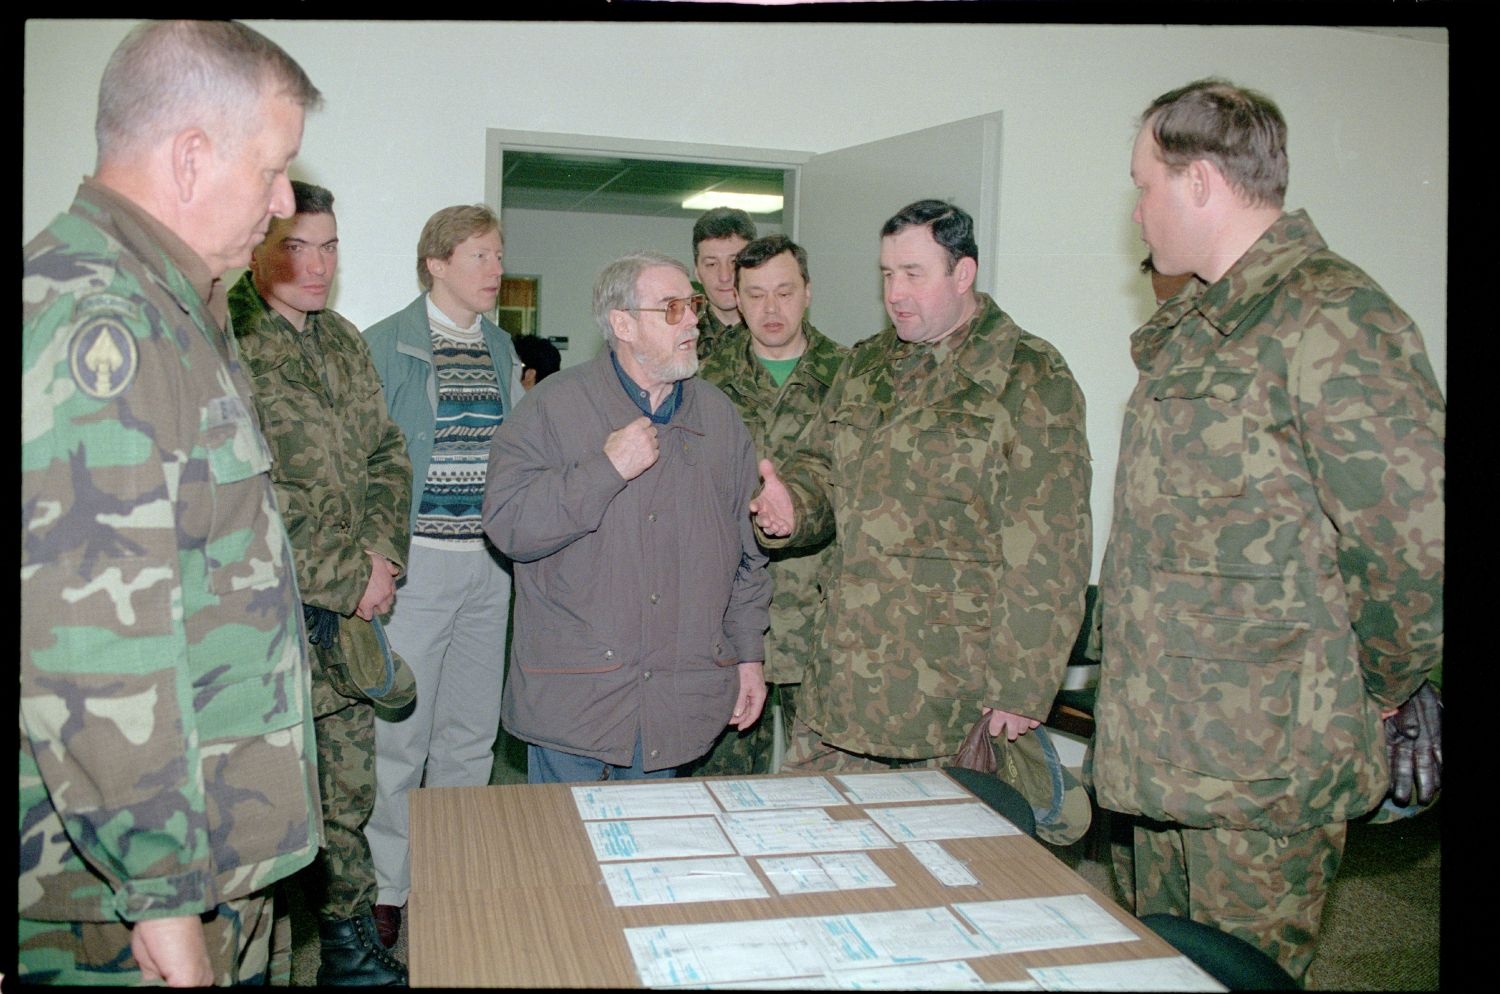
{"x": 718, "y": 236}
{"x": 776, "y": 368}
{"x": 343, "y": 481}
{"x": 166, "y": 737}
{"x": 949, "y": 460}
{"x": 1273, "y": 582}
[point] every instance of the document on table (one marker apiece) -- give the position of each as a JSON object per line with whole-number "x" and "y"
{"x": 642, "y": 800}
{"x": 915, "y": 822}
{"x": 830, "y": 871}
{"x": 953, "y": 975}
{"x": 889, "y": 788}
{"x": 657, "y": 838}
{"x": 943, "y": 865}
{"x": 771, "y": 833}
{"x": 682, "y": 881}
{"x": 777, "y": 792}
{"x": 1044, "y": 922}
{"x": 738, "y": 952}
{"x": 1169, "y": 973}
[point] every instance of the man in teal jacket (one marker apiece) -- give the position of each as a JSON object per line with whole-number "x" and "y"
{"x": 451, "y": 377}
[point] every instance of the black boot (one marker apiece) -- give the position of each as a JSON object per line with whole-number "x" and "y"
{"x": 352, "y": 956}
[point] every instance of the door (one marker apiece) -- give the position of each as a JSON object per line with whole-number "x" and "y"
{"x": 844, "y": 196}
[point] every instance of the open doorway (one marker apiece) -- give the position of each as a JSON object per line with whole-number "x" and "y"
{"x": 572, "y": 203}
{"x": 834, "y": 205}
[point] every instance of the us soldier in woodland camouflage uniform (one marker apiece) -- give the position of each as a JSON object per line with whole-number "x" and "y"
{"x": 1273, "y": 581}
{"x": 166, "y": 739}
{"x": 343, "y": 481}
{"x": 718, "y": 236}
{"x": 776, "y": 368}
{"x": 949, "y": 458}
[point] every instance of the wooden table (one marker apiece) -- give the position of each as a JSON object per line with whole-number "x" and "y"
{"x": 507, "y": 892}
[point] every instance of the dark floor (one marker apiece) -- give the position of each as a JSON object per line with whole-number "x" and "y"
{"x": 1380, "y": 926}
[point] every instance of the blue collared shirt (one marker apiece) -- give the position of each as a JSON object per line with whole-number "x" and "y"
{"x": 663, "y": 414}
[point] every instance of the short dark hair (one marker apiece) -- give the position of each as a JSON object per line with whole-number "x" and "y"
{"x": 538, "y": 353}
{"x": 951, "y": 225}
{"x": 763, "y": 250}
{"x": 1240, "y": 131}
{"x": 721, "y": 222}
{"x": 311, "y": 198}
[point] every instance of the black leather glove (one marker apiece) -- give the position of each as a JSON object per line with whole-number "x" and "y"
{"x": 322, "y": 625}
{"x": 1414, "y": 736}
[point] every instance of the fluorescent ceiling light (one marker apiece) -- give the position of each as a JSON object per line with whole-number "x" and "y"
{"x": 754, "y": 203}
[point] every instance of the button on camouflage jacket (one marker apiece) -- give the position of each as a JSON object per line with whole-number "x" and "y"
{"x": 1275, "y": 565}
{"x": 339, "y": 463}
{"x": 776, "y": 417}
{"x": 166, "y": 731}
{"x": 963, "y": 537}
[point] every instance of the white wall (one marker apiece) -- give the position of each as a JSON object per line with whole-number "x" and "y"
{"x": 403, "y": 133}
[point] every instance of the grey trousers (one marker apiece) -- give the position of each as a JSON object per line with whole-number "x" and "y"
{"x": 449, "y": 624}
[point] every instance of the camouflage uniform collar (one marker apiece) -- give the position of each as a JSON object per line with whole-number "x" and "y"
{"x": 821, "y": 359}
{"x": 247, "y": 304}
{"x": 974, "y": 346}
{"x": 1151, "y": 336}
{"x": 248, "y": 310}
{"x": 158, "y": 246}
{"x": 1257, "y": 273}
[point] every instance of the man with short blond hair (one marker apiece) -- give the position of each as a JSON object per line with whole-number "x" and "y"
{"x": 167, "y": 776}
{"x": 641, "y": 596}
{"x": 451, "y": 377}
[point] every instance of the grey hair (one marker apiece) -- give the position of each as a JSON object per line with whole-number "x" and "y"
{"x": 169, "y": 75}
{"x": 615, "y": 289}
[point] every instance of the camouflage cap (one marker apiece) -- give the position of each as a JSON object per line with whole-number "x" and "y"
{"x": 1032, "y": 766}
{"x": 366, "y": 667}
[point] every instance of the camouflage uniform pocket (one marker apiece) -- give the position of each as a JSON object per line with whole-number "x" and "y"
{"x": 957, "y": 644}
{"x": 1229, "y": 703}
{"x": 244, "y": 526}
{"x": 1198, "y": 433}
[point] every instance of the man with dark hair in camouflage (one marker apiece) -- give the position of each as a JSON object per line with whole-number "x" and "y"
{"x": 343, "y": 482}
{"x": 166, "y": 735}
{"x": 718, "y": 236}
{"x": 1273, "y": 583}
{"x": 949, "y": 459}
{"x": 776, "y": 368}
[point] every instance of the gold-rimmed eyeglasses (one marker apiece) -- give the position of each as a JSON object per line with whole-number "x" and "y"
{"x": 677, "y": 305}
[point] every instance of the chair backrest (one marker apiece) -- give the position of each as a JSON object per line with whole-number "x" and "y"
{"x": 1008, "y": 802}
{"x": 1229, "y": 959}
{"x": 1079, "y": 656}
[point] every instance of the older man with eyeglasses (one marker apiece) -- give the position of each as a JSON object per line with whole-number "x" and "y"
{"x": 641, "y": 596}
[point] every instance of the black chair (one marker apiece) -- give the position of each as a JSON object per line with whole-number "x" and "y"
{"x": 1073, "y": 710}
{"x": 1231, "y": 961}
{"x": 1008, "y": 802}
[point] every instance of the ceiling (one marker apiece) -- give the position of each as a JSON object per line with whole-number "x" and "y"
{"x": 608, "y": 185}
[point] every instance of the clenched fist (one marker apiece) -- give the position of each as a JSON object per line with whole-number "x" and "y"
{"x": 632, "y": 449}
